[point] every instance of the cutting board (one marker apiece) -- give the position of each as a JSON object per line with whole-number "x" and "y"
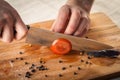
{"x": 19, "y": 59}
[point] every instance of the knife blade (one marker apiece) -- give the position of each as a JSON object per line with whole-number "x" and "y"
{"x": 46, "y": 37}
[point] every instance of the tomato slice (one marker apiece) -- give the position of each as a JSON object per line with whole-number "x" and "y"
{"x": 61, "y": 46}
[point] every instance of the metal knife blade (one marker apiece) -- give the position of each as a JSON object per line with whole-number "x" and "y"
{"x": 46, "y": 37}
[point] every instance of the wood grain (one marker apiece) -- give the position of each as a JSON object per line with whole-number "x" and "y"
{"x": 102, "y": 29}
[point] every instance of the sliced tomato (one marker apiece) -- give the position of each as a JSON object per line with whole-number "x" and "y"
{"x": 61, "y": 46}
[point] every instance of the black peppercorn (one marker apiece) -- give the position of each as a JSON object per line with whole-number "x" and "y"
{"x": 60, "y": 61}
{"x": 19, "y": 74}
{"x": 28, "y": 74}
{"x": 86, "y": 37}
{"x": 70, "y": 65}
{"x": 33, "y": 64}
{"x": 64, "y": 68}
{"x": 60, "y": 75}
{"x": 21, "y": 58}
{"x": 46, "y": 75}
{"x": 12, "y": 61}
{"x": 75, "y": 73}
{"x": 79, "y": 68}
{"x": 33, "y": 70}
{"x": 26, "y": 63}
{"x": 17, "y": 58}
{"x": 82, "y": 60}
{"x": 87, "y": 62}
{"x": 89, "y": 57}
{"x": 42, "y": 68}
{"x": 20, "y": 52}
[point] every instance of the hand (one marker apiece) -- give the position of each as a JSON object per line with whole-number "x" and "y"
{"x": 11, "y": 25}
{"x": 71, "y": 20}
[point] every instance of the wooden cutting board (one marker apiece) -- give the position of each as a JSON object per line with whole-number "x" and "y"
{"x": 18, "y": 57}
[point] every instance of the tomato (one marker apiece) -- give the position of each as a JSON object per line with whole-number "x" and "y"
{"x": 61, "y": 46}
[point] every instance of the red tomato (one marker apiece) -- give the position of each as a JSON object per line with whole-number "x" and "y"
{"x": 61, "y": 46}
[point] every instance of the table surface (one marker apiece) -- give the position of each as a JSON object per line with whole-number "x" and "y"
{"x": 47, "y": 9}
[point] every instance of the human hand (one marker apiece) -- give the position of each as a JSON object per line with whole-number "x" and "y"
{"x": 71, "y": 20}
{"x": 11, "y": 25}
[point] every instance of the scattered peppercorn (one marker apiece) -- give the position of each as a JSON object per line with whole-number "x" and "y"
{"x": 12, "y": 61}
{"x": 17, "y": 58}
{"x": 33, "y": 70}
{"x": 42, "y": 62}
{"x": 82, "y": 60}
{"x": 19, "y": 74}
{"x": 26, "y": 63}
{"x": 33, "y": 65}
{"x": 86, "y": 37}
{"x": 60, "y": 75}
{"x": 89, "y": 57}
{"x": 28, "y": 74}
{"x": 70, "y": 65}
{"x": 79, "y": 68}
{"x": 20, "y": 52}
{"x": 21, "y": 58}
{"x": 60, "y": 61}
{"x": 75, "y": 73}
{"x": 42, "y": 68}
{"x": 46, "y": 75}
{"x": 87, "y": 62}
{"x": 64, "y": 68}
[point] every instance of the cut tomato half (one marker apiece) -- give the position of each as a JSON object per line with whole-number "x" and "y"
{"x": 61, "y": 46}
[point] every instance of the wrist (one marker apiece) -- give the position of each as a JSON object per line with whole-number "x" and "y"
{"x": 84, "y": 4}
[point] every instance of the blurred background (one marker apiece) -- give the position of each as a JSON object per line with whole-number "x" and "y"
{"x": 40, "y": 10}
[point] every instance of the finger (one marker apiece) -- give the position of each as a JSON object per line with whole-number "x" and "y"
{"x": 81, "y": 27}
{"x": 7, "y": 31}
{"x": 61, "y": 21}
{"x": 7, "y": 34}
{"x": 73, "y": 23}
{"x": 2, "y": 23}
{"x": 1, "y": 30}
{"x": 20, "y": 28}
{"x": 83, "y": 32}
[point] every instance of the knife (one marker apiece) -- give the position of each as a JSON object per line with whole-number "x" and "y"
{"x": 46, "y": 37}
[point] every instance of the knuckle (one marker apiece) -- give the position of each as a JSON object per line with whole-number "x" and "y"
{"x": 6, "y": 16}
{"x": 64, "y": 6}
{"x": 77, "y": 13}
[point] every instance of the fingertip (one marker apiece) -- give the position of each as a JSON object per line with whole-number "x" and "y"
{"x": 21, "y": 34}
{"x": 6, "y": 41}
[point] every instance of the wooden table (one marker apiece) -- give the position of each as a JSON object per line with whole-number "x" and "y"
{"x": 19, "y": 57}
